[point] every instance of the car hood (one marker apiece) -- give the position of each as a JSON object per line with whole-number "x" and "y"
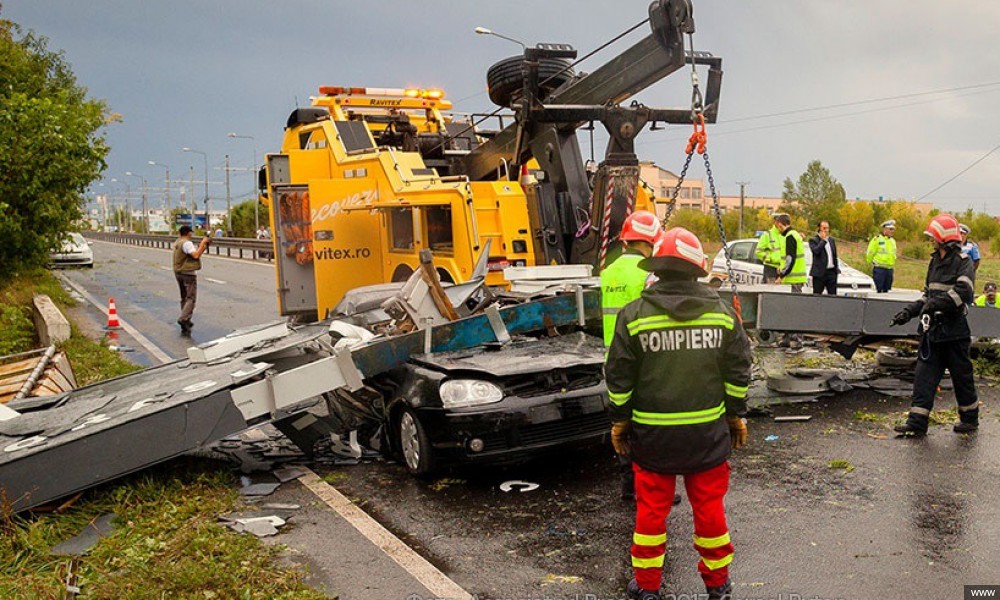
{"x": 524, "y": 355}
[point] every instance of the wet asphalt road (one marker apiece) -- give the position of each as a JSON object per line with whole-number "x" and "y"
{"x": 231, "y": 294}
{"x": 910, "y": 519}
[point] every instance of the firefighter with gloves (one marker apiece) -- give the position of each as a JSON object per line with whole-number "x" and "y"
{"x": 677, "y": 375}
{"x": 944, "y": 330}
{"x": 622, "y": 282}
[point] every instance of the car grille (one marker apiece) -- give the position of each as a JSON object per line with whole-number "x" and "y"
{"x": 548, "y": 382}
{"x": 547, "y": 433}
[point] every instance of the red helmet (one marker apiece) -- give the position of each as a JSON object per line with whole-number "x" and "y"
{"x": 677, "y": 250}
{"x": 641, "y": 226}
{"x": 944, "y": 228}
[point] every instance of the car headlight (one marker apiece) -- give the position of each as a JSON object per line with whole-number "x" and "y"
{"x": 456, "y": 393}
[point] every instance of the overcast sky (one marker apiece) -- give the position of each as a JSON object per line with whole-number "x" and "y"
{"x": 186, "y": 73}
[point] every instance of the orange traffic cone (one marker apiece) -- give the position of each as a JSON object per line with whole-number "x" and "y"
{"x": 112, "y": 315}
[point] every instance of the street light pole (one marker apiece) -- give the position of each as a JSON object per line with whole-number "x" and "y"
{"x": 204, "y": 156}
{"x": 229, "y": 206}
{"x": 253, "y": 178}
{"x": 166, "y": 190}
{"x": 145, "y": 213}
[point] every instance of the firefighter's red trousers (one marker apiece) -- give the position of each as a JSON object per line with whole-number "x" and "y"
{"x": 654, "y": 495}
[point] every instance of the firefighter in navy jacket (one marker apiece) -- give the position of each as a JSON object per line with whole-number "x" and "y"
{"x": 677, "y": 374}
{"x": 945, "y": 336}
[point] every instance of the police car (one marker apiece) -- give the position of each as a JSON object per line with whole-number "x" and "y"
{"x": 748, "y": 270}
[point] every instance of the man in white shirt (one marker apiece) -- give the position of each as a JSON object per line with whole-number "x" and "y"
{"x": 187, "y": 262}
{"x": 825, "y": 267}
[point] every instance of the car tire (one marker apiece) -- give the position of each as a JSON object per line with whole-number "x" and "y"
{"x": 504, "y": 79}
{"x": 414, "y": 445}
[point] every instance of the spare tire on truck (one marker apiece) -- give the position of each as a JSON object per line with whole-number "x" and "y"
{"x": 505, "y": 81}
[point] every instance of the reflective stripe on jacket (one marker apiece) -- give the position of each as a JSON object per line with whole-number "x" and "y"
{"x": 981, "y": 301}
{"x": 679, "y": 362}
{"x": 881, "y": 252}
{"x": 770, "y": 247}
{"x": 797, "y": 274}
{"x": 949, "y": 286}
{"x": 621, "y": 283}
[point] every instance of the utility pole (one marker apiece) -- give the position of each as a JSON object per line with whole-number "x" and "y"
{"x": 128, "y": 207}
{"x": 191, "y": 197}
{"x": 229, "y": 207}
{"x": 743, "y": 185}
{"x": 145, "y": 209}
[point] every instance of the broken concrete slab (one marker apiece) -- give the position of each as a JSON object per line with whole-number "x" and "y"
{"x": 286, "y": 474}
{"x": 80, "y": 544}
{"x": 259, "y": 526}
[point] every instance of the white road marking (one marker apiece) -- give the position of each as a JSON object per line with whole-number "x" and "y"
{"x": 166, "y": 268}
{"x": 427, "y": 574}
{"x": 143, "y": 341}
{"x": 219, "y": 281}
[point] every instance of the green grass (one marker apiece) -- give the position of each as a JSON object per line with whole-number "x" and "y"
{"x": 166, "y": 544}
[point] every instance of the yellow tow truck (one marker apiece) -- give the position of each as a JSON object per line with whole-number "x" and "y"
{"x": 368, "y": 177}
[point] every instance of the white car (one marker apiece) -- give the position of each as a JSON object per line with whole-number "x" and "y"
{"x": 74, "y": 252}
{"x": 747, "y": 269}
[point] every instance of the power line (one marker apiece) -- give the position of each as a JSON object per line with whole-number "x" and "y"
{"x": 813, "y": 120}
{"x": 960, "y": 173}
{"x": 868, "y": 101}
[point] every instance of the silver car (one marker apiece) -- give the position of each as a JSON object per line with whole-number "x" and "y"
{"x": 747, "y": 269}
{"x": 74, "y": 252}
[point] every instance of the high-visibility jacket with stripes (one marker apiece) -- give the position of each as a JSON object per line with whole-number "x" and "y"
{"x": 679, "y": 363}
{"x": 770, "y": 247}
{"x": 621, "y": 282}
{"x": 881, "y": 252}
{"x": 797, "y": 272}
{"x": 981, "y": 301}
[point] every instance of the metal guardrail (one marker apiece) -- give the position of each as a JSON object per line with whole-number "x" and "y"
{"x": 243, "y": 248}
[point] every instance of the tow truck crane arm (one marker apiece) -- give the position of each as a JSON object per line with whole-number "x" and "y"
{"x": 547, "y": 132}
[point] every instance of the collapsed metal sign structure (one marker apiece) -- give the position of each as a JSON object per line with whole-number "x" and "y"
{"x": 55, "y": 446}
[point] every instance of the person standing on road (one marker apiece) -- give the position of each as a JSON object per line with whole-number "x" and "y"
{"x": 187, "y": 262}
{"x": 944, "y": 331}
{"x": 792, "y": 270}
{"x": 770, "y": 249}
{"x": 968, "y": 246}
{"x": 825, "y": 265}
{"x": 622, "y": 282}
{"x": 989, "y": 297}
{"x": 881, "y": 255}
{"x": 671, "y": 422}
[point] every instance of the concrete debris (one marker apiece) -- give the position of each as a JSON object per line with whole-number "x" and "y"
{"x": 80, "y": 544}
{"x": 252, "y": 487}
{"x": 285, "y": 474}
{"x": 520, "y": 486}
{"x": 259, "y": 526}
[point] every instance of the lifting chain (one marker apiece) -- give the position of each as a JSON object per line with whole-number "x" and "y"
{"x": 698, "y": 142}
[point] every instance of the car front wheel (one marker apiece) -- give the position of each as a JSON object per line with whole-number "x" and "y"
{"x": 414, "y": 445}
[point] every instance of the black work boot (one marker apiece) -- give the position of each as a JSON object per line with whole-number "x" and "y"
{"x": 677, "y": 499}
{"x": 634, "y": 592}
{"x": 909, "y": 430}
{"x": 722, "y": 592}
{"x": 964, "y": 427}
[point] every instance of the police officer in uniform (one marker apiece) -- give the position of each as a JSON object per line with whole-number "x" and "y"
{"x": 677, "y": 374}
{"x": 622, "y": 282}
{"x": 881, "y": 255}
{"x": 770, "y": 250}
{"x": 945, "y": 336}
